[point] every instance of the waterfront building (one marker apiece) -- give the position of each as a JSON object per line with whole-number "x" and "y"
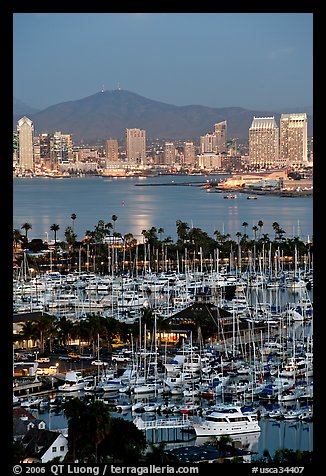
{"x": 209, "y": 161}
{"x": 169, "y": 153}
{"x": 293, "y": 139}
{"x": 111, "y": 151}
{"x": 215, "y": 142}
{"x": 263, "y": 142}
{"x": 25, "y": 130}
{"x": 189, "y": 153}
{"x": 61, "y": 146}
{"x": 220, "y": 132}
{"x": 136, "y": 145}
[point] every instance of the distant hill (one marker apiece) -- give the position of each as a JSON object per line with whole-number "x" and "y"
{"x": 21, "y": 109}
{"x": 108, "y": 114}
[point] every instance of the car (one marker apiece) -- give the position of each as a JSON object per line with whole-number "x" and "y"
{"x": 43, "y": 360}
{"x": 120, "y": 358}
{"x": 98, "y": 362}
{"x": 73, "y": 355}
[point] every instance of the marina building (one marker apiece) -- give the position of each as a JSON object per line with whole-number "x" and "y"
{"x": 209, "y": 161}
{"x": 263, "y": 142}
{"x": 293, "y": 139}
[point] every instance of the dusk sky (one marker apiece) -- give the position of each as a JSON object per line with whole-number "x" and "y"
{"x": 259, "y": 61}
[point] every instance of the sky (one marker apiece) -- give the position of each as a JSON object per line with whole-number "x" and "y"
{"x": 261, "y": 61}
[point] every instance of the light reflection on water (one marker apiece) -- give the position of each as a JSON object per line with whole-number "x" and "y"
{"x": 274, "y": 435}
{"x": 42, "y": 202}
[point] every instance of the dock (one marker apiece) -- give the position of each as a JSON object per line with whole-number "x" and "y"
{"x": 169, "y": 423}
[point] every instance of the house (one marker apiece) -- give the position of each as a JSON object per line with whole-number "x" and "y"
{"x": 41, "y": 446}
{"x": 23, "y": 421}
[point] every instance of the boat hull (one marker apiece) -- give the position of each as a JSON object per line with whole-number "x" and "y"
{"x": 232, "y": 429}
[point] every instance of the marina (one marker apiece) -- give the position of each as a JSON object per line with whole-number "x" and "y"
{"x": 204, "y": 335}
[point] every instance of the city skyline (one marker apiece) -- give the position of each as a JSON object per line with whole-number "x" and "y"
{"x": 251, "y": 60}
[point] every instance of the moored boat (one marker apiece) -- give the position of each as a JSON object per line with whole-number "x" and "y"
{"x": 227, "y": 420}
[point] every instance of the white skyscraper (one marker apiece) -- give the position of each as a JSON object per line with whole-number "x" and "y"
{"x": 293, "y": 139}
{"x": 25, "y": 129}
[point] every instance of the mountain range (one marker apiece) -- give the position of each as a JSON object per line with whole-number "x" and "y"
{"x": 108, "y": 114}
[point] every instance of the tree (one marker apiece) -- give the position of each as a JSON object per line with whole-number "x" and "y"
{"x": 55, "y": 228}
{"x": 260, "y": 224}
{"x": 158, "y": 455}
{"x": 26, "y": 227}
{"x": 73, "y": 216}
{"x": 17, "y": 237}
{"x": 182, "y": 230}
{"x": 245, "y": 225}
{"x": 114, "y": 219}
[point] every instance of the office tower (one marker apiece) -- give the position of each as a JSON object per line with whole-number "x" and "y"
{"x": 60, "y": 149}
{"x": 189, "y": 153}
{"x": 169, "y": 153}
{"x": 136, "y": 145}
{"x": 263, "y": 142}
{"x": 208, "y": 143}
{"x": 111, "y": 151}
{"x": 25, "y": 130}
{"x": 293, "y": 139}
{"x": 220, "y": 132}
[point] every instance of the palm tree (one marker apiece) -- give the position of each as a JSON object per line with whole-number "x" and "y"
{"x": 160, "y": 231}
{"x": 28, "y": 332}
{"x": 55, "y": 228}
{"x": 98, "y": 423}
{"x": 245, "y": 225}
{"x": 255, "y": 229}
{"x": 26, "y": 227}
{"x": 182, "y": 230}
{"x": 73, "y": 216}
{"x": 114, "y": 219}
{"x": 260, "y": 224}
{"x": 17, "y": 236}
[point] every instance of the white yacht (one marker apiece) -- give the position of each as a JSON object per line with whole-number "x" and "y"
{"x": 227, "y": 420}
{"x": 73, "y": 381}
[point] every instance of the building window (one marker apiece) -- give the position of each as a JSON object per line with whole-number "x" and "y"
{"x": 54, "y": 449}
{"x": 62, "y": 448}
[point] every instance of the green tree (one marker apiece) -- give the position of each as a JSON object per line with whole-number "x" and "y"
{"x": 55, "y": 228}
{"x": 182, "y": 230}
{"x": 26, "y": 226}
{"x": 73, "y": 216}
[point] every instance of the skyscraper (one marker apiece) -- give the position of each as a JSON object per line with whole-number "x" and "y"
{"x": 25, "y": 129}
{"x": 189, "y": 153}
{"x": 215, "y": 142}
{"x": 169, "y": 153}
{"x": 112, "y": 151}
{"x": 263, "y": 142}
{"x": 136, "y": 145}
{"x": 293, "y": 139}
{"x": 220, "y": 132}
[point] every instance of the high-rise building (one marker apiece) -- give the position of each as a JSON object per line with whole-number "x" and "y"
{"x": 112, "y": 151}
{"x": 189, "y": 153}
{"x": 293, "y": 139}
{"x": 60, "y": 149}
{"x": 220, "y": 132}
{"x": 208, "y": 143}
{"x": 136, "y": 145}
{"x": 215, "y": 142}
{"x": 25, "y": 130}
{"x": 263, "y": 142}
{"x": 169, "y": 153}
